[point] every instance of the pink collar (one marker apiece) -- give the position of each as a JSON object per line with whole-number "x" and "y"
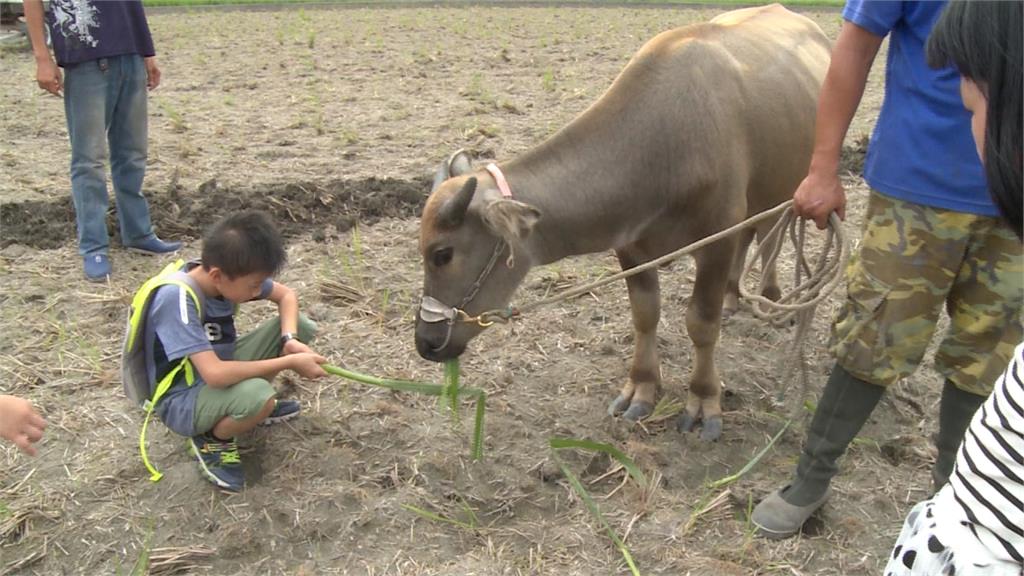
{"x": 499, "y": 179}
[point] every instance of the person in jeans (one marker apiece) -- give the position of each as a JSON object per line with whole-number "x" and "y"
{"x": 107, "y": 54}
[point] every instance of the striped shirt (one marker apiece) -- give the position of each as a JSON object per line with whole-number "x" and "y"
{"x": 988, "y": 480}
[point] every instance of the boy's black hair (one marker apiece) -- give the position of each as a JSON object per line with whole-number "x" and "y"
{"x": 244, "y": 243}
{"x": 982, "y": 40}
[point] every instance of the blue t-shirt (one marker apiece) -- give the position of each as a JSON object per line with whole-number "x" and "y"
{"x": 174, "y": 331}
{"x": 84, "y": 30}
{"x": 921, "y": 150}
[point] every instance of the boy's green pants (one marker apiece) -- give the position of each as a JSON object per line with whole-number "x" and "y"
{"x": 246, "y": 398}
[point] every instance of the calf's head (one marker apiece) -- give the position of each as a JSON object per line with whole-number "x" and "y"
{"x": 473, "y": 243}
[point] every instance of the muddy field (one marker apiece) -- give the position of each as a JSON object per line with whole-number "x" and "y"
{"x": 332, "y": 120}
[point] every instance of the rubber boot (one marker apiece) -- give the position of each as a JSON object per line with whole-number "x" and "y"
{"x": 843, "y": 409}
{"x": 956, "y": 410}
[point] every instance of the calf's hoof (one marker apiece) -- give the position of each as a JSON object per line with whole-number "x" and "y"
{"x": 711, "y": 430}
{"x": 618, "y": 406}
{"x": 686, "y": 422}
{"x": 638, "y": 410}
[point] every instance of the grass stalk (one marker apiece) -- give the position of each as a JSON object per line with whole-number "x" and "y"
{"x": 753, "y": 462}
{"x": 588, "y": 501}
{"x": 427, "y": 389}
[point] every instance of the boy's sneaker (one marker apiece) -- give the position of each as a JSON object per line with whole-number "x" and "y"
{"x": 283, "y": 410}
{"x": 219, "y": 461}
{"x": 97, "y": 267}
{"x": 154, "y": 246}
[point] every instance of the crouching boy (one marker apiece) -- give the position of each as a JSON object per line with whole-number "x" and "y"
{"x": 203, "y": 381}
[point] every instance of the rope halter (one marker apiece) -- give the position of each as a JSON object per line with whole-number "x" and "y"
{"x": 433, "y": 310}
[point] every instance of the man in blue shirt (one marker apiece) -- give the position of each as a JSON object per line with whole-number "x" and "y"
{"x": 107, "y": 54}
{"x": 932, "y": 239}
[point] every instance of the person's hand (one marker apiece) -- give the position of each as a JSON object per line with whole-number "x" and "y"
{"x": 818, "y": 196}
{"x": 152, "y": 73}
{"x": 48, "y": 76}
{"x": 20, "y": 424}
{"x": 293, "y": 346}
{"x": 307, "y": 364}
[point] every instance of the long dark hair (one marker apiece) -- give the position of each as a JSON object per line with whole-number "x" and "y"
{"x": 982, "y": 40}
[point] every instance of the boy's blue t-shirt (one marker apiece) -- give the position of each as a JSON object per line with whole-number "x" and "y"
{"x": 84, "y": 30}
{"x": 174, "y": 331}
{"x": 921, "y": 150}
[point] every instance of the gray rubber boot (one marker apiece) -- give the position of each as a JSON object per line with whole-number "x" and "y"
{"x": 956, "y": 410}
{"x": 844, "y": 406}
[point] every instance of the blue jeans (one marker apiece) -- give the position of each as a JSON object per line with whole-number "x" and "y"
{"x": 105, "y": 99}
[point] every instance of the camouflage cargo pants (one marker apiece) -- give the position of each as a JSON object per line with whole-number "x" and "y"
{"x": 911, "y": 261}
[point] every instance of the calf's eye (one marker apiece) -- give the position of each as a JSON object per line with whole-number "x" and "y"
{"x": 442, "y": 256}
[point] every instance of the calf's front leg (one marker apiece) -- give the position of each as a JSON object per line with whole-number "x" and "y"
{"x": 640, "y": 391}
{"x": 703, "y": 322}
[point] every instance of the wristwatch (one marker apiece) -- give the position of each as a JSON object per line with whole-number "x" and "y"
{"x": 286, "y": 337}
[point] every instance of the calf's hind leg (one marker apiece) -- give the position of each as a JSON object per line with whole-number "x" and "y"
{"x": 640, "y": 391}
{"x": 703, "y": 321}
{"x": 732, "y": 290}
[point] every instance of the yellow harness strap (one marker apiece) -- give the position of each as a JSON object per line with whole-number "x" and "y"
{"x": 138, "y": 310}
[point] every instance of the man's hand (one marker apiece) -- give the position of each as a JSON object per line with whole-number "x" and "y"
{"x": 152, "y": 73}
{"x": 818, "y": 196}
{"x": 307, "y": 364}
{"x": 20, "y": 424}
{"x": 48, "y": 76}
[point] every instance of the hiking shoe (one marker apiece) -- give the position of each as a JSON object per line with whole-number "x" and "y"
{"x": 97, "y": 267}
{"x": 283, "y": 410}
{"x": 154, "y": 246}
{"x": 776, "y": 519}
{"x": 219, "y": 461}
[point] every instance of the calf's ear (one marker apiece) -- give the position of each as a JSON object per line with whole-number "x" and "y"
{"x": 459, "y": 163}
{"x": 510, "y": 219}
{"x": 455, "y": 165}
{"x": 453, "y": 211}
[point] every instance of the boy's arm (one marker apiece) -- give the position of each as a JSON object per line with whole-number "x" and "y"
{"x": 288, "y": 308}
{"x": 219, "y": 373}
{"x": 47, "y": 73}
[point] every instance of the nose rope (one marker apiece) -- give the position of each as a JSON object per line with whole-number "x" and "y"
{"x": 433, "y": 310}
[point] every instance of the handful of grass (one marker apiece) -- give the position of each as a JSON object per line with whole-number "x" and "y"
{"x": 450, "y": 390}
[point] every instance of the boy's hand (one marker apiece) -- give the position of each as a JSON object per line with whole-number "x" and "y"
{"x": 293, "y": 346}
{"x": 307, "y": 364}
{"x": 20, "y": 424}
{"x": 48, "y": 76}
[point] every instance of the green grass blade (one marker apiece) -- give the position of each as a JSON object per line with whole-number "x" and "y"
{"x": 627, "y": 463}
{"x": 478, "y": 426}
{"x": 577, "y": 486}
{"x": 438, "y": 518}
{"x": 141, "y": 567}
{"x": 400, "y": 385}
{"x": 753, "y": 462}
{"x": 451, "y": 379}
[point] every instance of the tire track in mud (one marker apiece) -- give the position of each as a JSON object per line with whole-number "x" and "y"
{"x": 297, "y": 207}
